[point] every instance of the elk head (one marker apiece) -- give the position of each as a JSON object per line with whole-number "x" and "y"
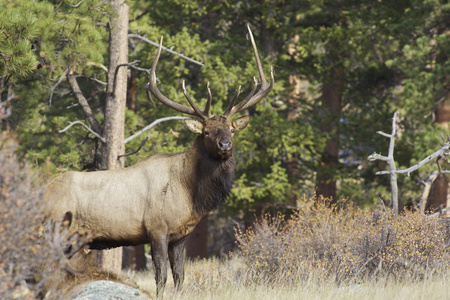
{"x": 216, "y": 131}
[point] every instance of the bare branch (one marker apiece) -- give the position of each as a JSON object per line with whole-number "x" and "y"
{"x": 84, "y": 104}
{"x": 384, "y": 134}
{"x": 9, "y": 99}
{"x": 57, "y": 83}
{"x": 426, "y": 190}
{"x": 98, "y": 81}
{"x": 137, "y": 150}
{"x": 5, "y": 112}
{"x": 103, "y": 67}
{"x": 441, "y": 212}
{"x": 85, "y": 126}
{"x": 76, "y": 5}
{"x": 140, "y": 69}
{"x": 166, "y": 49}
{"x": 391, "y": 163}
{"x": 131, "y": 64}
{"x": 377, "y": 156}
{"x": 152, "y": 125}
{"x": 429, "y": 158}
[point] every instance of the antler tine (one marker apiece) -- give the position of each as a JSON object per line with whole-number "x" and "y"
{"x": 198, "y": 112}
{"x": 238, "y": 107}
{"x": 231, "y": 106}
{"x": 261, "y": 93}
{"x": 160, "y": 97}
{"x": 207, "y": 110}
{"x": 264, "y": 89}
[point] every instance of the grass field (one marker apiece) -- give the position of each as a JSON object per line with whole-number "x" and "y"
{"x": 213, "y": 279}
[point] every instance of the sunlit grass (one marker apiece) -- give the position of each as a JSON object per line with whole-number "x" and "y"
{"x": 213, "y": 279}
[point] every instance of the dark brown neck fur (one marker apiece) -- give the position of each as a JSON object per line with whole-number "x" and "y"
{"x": 210, "y": 180}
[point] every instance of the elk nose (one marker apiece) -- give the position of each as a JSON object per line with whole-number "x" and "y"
{"x": 225, "y": 145}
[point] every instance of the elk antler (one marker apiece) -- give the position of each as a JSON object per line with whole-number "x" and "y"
{"x": 194, "y": 111}
{"x": 252, "y": 98}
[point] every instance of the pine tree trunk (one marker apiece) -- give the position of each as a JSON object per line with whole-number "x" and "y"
{"x": 331, "y": 109}
{"x": 439, "y": 190}
{"x": 116, "y": 95}
{"x": 197, "y": 241}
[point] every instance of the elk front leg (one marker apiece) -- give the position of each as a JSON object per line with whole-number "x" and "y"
{"x": 159, "y": 256}
{"x": 176, "y": 261}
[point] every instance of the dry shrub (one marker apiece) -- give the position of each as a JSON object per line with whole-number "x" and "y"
{"x": 346, "y": 244}
{"x": 31, "y": 248}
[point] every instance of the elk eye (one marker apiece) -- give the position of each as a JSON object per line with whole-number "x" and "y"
{"x": 233, "y": 130}
{"x": 206, "y": 132}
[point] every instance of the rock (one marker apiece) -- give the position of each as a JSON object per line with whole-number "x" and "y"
{"x": 109, "y": 290}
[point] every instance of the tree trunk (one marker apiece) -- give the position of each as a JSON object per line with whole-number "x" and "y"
{"x": 331, "y": 109}
{"x": 438, "y": 195}
{"x": 116, "y": 96}
{"x": 197, "y": 241}
{"x": 132, "y": 87}
{"x": 134, "y": 258}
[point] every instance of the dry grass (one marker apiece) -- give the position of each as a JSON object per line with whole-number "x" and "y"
{"x": 212, "y": 279}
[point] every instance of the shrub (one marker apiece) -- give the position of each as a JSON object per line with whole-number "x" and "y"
{"x": 31, "y": 256}
{"x": 346, "y": 244}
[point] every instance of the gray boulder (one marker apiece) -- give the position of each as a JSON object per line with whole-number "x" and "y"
{"x": 109, "y": 290}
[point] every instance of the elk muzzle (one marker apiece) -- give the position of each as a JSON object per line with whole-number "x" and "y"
{"x": 225, "y": 145}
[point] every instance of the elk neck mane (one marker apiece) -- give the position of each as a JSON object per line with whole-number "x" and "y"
{"x": 210, "y": 180}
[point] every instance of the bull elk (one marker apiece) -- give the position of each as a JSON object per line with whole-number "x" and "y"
{"x": 162, "y": 198}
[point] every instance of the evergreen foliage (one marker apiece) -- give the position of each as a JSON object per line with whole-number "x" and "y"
{"x": 394, "y": 57}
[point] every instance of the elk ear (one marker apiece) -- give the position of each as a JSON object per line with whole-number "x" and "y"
{"x": 241, "y": 122}
{"x": 194, "y": 125}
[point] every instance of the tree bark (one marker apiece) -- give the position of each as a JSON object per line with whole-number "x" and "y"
{"x": 116, "y": 96}
{"x": 197, "y": 241}
{"x": 331, "y": 108}
{"x": 438, "y": 196}
{"x": 133, "y": 258}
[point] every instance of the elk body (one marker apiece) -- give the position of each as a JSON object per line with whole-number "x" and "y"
{"x": 162, "y": 198}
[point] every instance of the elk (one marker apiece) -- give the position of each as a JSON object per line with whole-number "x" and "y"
{"x": 162, "y": 198}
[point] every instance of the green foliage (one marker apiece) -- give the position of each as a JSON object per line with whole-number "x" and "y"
{"x": 393, "y": 56}
{"x": 17, "y": 30}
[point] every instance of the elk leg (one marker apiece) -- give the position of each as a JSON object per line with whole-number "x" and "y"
{"x": 159, "y": 257}
{"x": 176, "y": 261}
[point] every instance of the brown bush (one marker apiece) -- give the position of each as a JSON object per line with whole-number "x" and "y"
{"x": 31, "y": 248}
{"x": 346, "y": 244}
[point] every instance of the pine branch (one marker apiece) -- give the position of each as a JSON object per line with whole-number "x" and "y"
{"x": 56, "y": 84}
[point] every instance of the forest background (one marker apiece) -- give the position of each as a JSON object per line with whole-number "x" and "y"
{"x": 342, "y": 68}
